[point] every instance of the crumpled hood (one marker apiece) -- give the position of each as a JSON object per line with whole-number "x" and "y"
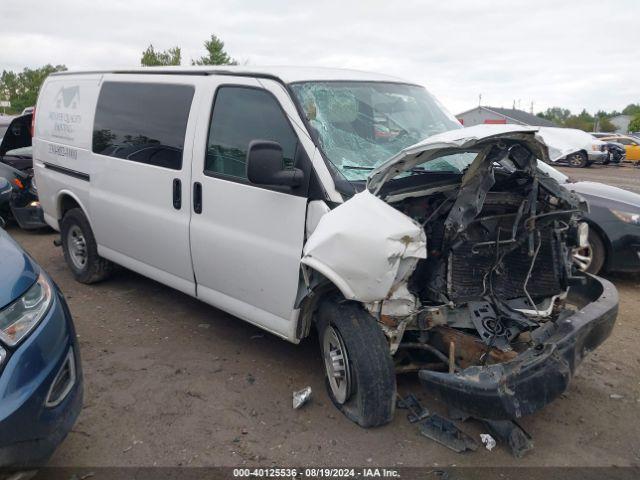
{"x": 460, "y": 140}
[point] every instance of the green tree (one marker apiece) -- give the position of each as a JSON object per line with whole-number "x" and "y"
{"x": 632, "y": 109}
{"x": 153, "y": 58}
{"x": 21, "y": 88}
{"x": 583, "y": 121}
{"x": 215, "y": 54}
{"x": 556, "y": 114}
{"x": 605, "y": 125}
{"x": 634, "y": 125}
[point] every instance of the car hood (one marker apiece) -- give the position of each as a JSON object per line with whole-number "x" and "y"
{"x": 466, "y": 139}
{"x": 19, "y": 272}
{"x": 606, "y": 192}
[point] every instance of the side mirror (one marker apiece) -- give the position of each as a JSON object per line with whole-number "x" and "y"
{"x": 265, "y": 165}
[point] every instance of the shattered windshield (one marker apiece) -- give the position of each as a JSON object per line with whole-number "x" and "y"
{"x": 359, "y": 125}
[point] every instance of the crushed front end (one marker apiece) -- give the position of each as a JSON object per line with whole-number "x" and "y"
{"x": 500, "y": 315}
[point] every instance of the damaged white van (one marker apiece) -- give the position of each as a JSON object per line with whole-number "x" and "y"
{"x": 344, "y": 201}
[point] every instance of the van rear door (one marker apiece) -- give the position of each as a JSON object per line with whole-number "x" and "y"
{"x": 142, "y": 139}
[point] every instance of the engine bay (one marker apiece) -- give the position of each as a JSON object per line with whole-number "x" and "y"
{"x": 498, "y": 265}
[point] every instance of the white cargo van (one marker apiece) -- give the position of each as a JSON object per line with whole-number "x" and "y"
{"x": 296, "y": 198}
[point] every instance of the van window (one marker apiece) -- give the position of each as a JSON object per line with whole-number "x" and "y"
{"x": 240, "y": 115}
{"x": 142, "y": 122}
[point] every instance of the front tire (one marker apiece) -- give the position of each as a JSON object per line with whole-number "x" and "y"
{"x": 80, "y": 249}
{"x": 578, "y": 160}
{"x": 360, "y": 375}
{"x": 591, "y": 259}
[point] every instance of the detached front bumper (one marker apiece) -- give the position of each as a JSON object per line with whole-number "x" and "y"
{"x": 29, "y": 217}
{"x": 540, "y": 374}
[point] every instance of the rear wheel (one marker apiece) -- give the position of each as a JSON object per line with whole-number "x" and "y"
{"x": 80, "y": 249}
{"x": 360, "y": 375}
{"x": 578, "y": 160}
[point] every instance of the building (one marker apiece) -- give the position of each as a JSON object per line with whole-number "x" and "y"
{"x": 621, "y": 123}
{"x": 492, "y": 115}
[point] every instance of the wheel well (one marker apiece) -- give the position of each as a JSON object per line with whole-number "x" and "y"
{"x": 310, "y": 304}
{"x": 66, "y": 202}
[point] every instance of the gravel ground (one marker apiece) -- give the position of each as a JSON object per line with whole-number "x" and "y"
{"x": 625, "y": 176}
{"x": 170, "y": 381}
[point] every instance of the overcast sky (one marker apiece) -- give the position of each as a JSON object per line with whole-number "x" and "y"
{"x": 576, "y": 53}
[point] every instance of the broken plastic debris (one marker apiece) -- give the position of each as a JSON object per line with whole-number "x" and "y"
{"x": 301, "y": 397}
{"x": 488, "y": 440}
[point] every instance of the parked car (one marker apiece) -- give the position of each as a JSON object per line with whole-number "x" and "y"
{"x": 614, "y": 225}
{"x": 631, "y": 145}
{"x": 5, "y": 121}
{"x": 22, "y": 205}
{"x": 574, "y": 147}
{"x": 601, "y": 135}
{"x": 40, "y": 370}
{"x": 19, "y": 158}
{"x": 17, "y": 136}
{"x": 281, "y": 203}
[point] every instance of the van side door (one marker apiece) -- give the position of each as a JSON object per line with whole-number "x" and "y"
{"x": 247, "y": 239}
{"x": 141, "y": 175}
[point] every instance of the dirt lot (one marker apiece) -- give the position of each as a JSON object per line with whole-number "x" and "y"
{"x": 625, "y": 176}
{"x": 171, "y": 381}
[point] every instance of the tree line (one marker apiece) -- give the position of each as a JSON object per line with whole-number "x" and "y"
{"x": 600, "y": 122}
{"x": 21, "y": 88}
{"x": 216, "y": 55}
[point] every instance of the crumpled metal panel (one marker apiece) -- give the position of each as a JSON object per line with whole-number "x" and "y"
{"x": 456, "y": 141}
{"x": 365, "y": 247}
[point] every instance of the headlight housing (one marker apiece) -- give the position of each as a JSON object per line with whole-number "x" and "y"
{"x": 627, "y": 217}
{"x": 21, "y": 316}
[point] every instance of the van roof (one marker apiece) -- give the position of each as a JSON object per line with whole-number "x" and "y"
{"x": 285, "y": 74}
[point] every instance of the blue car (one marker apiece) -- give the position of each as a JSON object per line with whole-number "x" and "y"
{"x": 40, "y": 372}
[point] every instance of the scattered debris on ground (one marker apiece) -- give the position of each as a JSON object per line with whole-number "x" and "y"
{"x": 513, "y": 434}
{"x": 488, "y": 441}
{"x": 301, "y": 397}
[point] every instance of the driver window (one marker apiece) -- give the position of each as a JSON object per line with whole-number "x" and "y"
{"x": 240, "y": 115}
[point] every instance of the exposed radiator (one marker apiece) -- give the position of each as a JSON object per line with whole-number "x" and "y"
{"x": 467, "y": 270}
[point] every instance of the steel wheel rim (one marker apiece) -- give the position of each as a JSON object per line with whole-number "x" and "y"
{"x": 583, "y": 257}
{"x": 336, "y": 364}
{"x": 77, "y": 247}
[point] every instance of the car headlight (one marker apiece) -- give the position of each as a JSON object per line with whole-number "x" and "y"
{"x": 627, "y": 217}
{"x": 21, "y": 316}
{"x": 598, "y": 148}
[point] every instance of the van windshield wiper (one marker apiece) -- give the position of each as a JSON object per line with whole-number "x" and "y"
{"x": 357, "y": 167}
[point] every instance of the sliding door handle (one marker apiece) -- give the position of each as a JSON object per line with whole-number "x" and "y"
{"x": 177, "y": 194}
{"x": 197, "y": 197}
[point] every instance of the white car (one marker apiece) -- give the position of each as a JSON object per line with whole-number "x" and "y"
{"x": 575, "y": 147}
{"x": 344, "y": 201}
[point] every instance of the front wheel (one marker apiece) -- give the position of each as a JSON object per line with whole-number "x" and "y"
{"x": 578, "y": 160}
{"x": 359, "y": 370}
{"x": 591, "y": 258}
